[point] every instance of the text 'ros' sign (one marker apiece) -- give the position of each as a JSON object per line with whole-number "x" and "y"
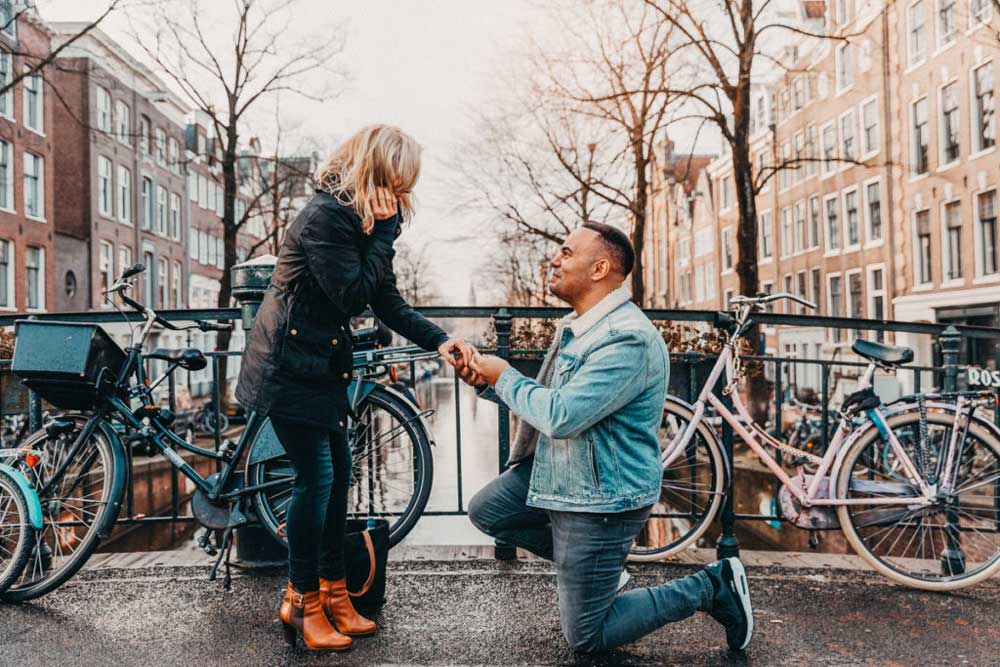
{"x": 983, "y": 377}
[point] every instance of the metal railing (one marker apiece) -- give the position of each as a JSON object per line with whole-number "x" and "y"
{"x": 946, "y": 340}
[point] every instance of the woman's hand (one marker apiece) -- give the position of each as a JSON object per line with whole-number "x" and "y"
{"x": 384, "y": 204}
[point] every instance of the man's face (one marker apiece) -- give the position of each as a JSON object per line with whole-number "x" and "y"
{"x": 574, "y": 269}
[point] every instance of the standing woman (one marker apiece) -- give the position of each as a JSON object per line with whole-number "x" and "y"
{"x": 334, "y": 263}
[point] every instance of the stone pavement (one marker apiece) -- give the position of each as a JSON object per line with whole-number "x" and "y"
{"x": 460, "y": 608}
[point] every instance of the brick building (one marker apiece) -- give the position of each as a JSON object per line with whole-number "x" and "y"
{"x": 120, "y": 178}
{"x": 887, "y": 209}
{"x": 28, "y": 280}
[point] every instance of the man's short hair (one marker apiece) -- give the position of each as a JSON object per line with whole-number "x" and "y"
{"x": 616, "y": 243}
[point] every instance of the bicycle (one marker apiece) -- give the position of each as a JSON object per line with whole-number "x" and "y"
{"x": 80, "y": 471}
{"x": 915, "y": 484}
{"x": 20, "y": 517}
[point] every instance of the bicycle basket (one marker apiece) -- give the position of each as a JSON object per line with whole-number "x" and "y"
{"x": 66, "y": 363}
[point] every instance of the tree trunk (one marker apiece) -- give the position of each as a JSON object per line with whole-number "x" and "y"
{"x": 229, "y": 235}
{"x": 639, "y": 224}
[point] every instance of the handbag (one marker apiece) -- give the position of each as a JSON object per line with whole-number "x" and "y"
{"x": 366, "y": 550}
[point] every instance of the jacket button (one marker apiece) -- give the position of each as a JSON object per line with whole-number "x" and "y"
{"x": 341, "y": 424}
{"x": 347, "y": 376}
{"x": 294, "y": 331}
{"x": 333, "y": 341}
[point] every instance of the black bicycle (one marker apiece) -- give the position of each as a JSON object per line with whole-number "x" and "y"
{"x": 78, "y": 465}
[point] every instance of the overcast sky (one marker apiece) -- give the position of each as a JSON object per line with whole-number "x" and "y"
{"x": 419, "y": 64}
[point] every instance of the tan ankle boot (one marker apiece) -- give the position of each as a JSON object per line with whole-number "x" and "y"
{"x": 339, "y": 608}
{"x": 303, "y": 613}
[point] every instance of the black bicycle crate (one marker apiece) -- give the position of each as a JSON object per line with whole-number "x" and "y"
{"x": 65, "y": 362}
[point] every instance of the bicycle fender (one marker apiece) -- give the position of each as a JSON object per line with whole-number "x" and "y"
{"x": 120, "y": 455}
{"x": 34, "y": 505}
{"x": 266, "y": 446}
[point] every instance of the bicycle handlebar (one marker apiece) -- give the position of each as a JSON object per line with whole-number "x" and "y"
{"x": 770, "y": 298}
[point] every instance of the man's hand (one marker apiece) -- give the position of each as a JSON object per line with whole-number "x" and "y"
{"x": 488, "y": 368}
{"x": 457, "y": 352}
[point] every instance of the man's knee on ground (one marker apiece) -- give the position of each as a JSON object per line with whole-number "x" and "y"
{"x": 480, "y": 510}
{"x": 586, "y": 641}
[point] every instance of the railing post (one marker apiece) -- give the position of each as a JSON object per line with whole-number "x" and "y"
{"x": 952, "y": 558}
{"x": 728, "y": 545}
{"x": 503, "y": 323}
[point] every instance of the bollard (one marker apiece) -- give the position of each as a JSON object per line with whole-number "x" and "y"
{"x": 728, "y": 545}
{"x": 250, "y": 280}
{"x": 503, "y": 323}
{"x": 952, "y": 558}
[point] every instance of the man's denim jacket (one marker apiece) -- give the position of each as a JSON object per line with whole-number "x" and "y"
{"x": 598, "y": 420}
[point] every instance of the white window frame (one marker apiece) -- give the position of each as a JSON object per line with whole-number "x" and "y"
{"x": 814, "y": 237}
{"x": 7, "y": 59}
{"x": 842, "y": 85}
{"x": 918, "y": 280}
{"x": 981, "y": 18}
{"x": 914, "y": 174}
{"x": 975, "y": 129}
{"x": 872, "y": 293}
{"x": 39, "y": 215}
{"x": 867, "y": 151}
{"x": 105, "y": 251}
{"x": 41, "y": 279}
{"x": 177, "y": 284}
{"x": 786, "y": 232}
{"x": 102, "y": 108}
{"x": 943, "y": 161}
{"x": 944, "y": 40}
{"x": 914, "y": 58}
{"x": 829, "y": 168}
{"x": 869, "y": 241}
{"x": 123, "y": 194}
{"x": 853, "y": 189}
{"x": 977, "y": 237}
{"x": 848, "y": 310}
{"x": 123, "y": 122}
{"x": 852, "y": 117}
{"x": 727, "y": 242}
{"x": 175, "y": 216}
{"x": 39, "y": 81}
{"x": 946, "y": 278}
{"x": 834, "y": 197}
{"x": 8, "y": 184}
{"x": 836, "y": 334}
{"x": 10, "y": 296}
{"x": 761, "y": 246}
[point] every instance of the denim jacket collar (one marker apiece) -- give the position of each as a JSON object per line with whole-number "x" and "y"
{"x": 580, "y": 324}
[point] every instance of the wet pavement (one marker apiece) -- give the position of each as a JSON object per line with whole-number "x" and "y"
{"x": 482, "y": 612}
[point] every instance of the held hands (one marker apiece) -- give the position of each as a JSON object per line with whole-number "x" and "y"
{"x": 384, "y": 204}
{"x": 457, "y": 353}
{"x": 474, "y": 368}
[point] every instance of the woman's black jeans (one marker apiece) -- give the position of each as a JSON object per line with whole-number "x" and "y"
{"x": 317, "y": 513}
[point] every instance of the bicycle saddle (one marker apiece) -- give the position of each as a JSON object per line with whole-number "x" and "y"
{"x": 190, "y": 359}
{"x": 885, "y": 354}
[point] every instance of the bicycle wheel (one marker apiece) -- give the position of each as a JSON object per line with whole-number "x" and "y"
{"x": 82, "y": 505}
{"x": 390, "y": 478}
{"x": 950, "y": 544}
{"x": 16, "y": 532}
{"x": 691, "y": 492}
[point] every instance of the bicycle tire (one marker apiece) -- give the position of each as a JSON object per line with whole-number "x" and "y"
{"x": 706, "y": 445}
{"x": 855, "y": 455}
{"x": 402, "y": 412}
{"x": 25, "y": 535}
{"x": 30, "y": 587}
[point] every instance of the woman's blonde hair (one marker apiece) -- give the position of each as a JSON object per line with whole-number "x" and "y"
{"x": 377, "y": 156}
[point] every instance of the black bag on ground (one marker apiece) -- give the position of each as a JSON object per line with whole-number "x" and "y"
{"x": 366, "y": 550}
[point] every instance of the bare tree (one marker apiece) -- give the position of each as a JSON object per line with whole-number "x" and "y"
{"x": 263, "y": 56}
{"x": 414, "y": 276}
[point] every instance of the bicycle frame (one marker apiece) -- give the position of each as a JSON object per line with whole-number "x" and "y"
{"x": 757, "y": 439}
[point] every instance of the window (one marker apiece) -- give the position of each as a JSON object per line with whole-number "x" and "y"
{"x": 34, "y": 186}
{"x": 104, "y": 186}
{"x": 764, "y": 170}
{"x": 202, "y": 191}
{"x": 124, "y": 195}
{"x": 786, "y": 232}
{"x": 917, "y": 42}
{"x": 982, "y": 121}
{"x": 847, "y": 139}
{"x": 786, "y": 305}
{"x": 124, "y": 257}
{"x": 766, "y": 236}
{"x": 817, "y": 288}
{"x": 845, "y": 66}
{"x": 767, "y": 288}
{"x": 785, "y": 177}
{"x": 123, "y": 122}
{"x": 144, "y": 135}
{"x": 220, "y": 259}
{"x": 979, "y": 11}
{"x": 835, "y": 304}
{"x": 703, "y": 244}
{"x": 854, "y": 303}
{"x": 947, "y": 22}
{"x": 798, "y": 94}
{"x": 726, "y": 192}
{"x": 920, "y": 136}
{"x": 146, "y": 203}
{"x": 814, "y": 222}
{"x": 953, "y": 240}
{"x": 106, "y": 267}
{"x": 160, "y": 146}
{"x": 175, "y": 216}
{"x": 6, "y": 274}
{"x": 851, "y": 218}
{"x": 800, "y": 154}
{"x": 800, "y": 226}
{"x": 873, "y": 201}
{"x": 987, "y": 213}
{"x": 727, "y": 248}
{"x": 174, "y": 155}
{"x": 203, "y": 255}
{"x": 192, "y": 186}
{"x": 6, "y": 177}
{"x": 949, "y": 123}
{"x": 832, "y": 223}
{"x": 34, "y": 264}
{"x": 759, "y": 118}
{"x": 34, "y": 118}
{"x": 148, "y": 292}
{"x": 162, "y": 284}
{"x": 202, "y": 146}
{"x": 922, "y": 223}
{"x": 175, "y": 282}
{"x": 220, "y": 200}
{"x": 193, "y": 244}
{"x": 876, "y": 297}
{"x": 161, "y": 210}
{"x": 6, "y": 76}
{"x": 870, "y": 134}
{"x": 829, "y": 149}
{"x": 811, "y": 152}
{"x": 103, "y": 109}
{"x": 801, "y": 286}
{"x": 843, "y": 13}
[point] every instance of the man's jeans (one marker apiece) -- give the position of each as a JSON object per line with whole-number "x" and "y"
{"x": 589, "y": 551}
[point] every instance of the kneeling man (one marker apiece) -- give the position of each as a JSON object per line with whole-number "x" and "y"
{"x": 585, "y": 466}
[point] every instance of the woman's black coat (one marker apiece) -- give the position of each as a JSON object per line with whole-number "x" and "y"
{"x": 298, "y": 357}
